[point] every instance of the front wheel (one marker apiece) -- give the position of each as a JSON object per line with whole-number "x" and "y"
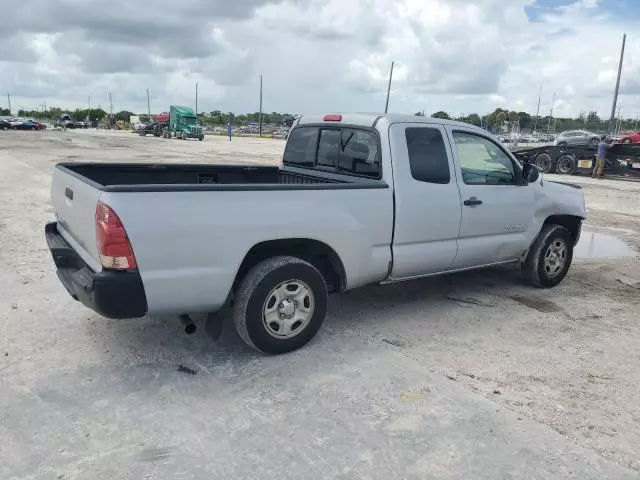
{"x": 201, "y": 137}
{"x": 549, "y": 258}
{"x": 280, "y": 305}
{"x": 626, "y": 141}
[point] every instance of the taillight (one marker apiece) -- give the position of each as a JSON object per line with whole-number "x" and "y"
{"x": 113, "y": 244}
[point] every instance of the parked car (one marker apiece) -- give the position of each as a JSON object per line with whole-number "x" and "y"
{"x": 546, "y": 138}
{"x": 630, "y": 138}
{"x": 577, "y": 138}
{"x": 368, "y": 199}
{"x": 30, "y": 125}
{"x": 157, "y": 129}
{"x": 5, "y": 124}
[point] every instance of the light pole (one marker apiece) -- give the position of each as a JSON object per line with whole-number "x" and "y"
{"x": 260, "y": 114}
{"x": 535, "y": 123}
{"x": 551, "y": 115}
{"x": 612, "y": 119}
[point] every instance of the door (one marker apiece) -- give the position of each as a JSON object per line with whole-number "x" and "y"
{"x": 496, "y": 211}
{"x": 427, "y": 200}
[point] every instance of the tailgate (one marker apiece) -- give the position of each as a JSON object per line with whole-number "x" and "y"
{"x": 74, "y": 200}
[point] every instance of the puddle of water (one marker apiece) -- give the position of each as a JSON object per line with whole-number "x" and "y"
{"x": 599, "y": 245}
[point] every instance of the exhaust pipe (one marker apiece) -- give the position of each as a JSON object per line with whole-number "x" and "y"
{"x": 189, "y": 326}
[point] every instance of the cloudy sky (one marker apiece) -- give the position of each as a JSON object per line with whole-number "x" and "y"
{"x": 321, "y": 55}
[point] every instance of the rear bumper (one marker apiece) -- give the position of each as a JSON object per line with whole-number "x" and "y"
{"x": 112, "y": 294}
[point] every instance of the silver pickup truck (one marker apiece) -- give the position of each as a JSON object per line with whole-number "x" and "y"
{"x": 359, "y": 199}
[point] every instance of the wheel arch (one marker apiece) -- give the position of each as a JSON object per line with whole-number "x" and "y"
{"x": 572, "y": 223}
{"x": 317, "y": 253}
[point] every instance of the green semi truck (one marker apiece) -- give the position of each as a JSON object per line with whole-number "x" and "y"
{"x": 183, "y": 124}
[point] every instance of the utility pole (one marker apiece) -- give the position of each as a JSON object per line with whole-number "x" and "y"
{"x": 535, "y": 123}
{"x": 551, "y": 114}
{"x": 386, "y": 106}
{"x": 9, "y": 100}
{"x": 260, "y": 114}
{"x": 149, "y": 105}
{"x": 619, "y": 122}
{"x": 615, "y": 94}
{"x": 110, "y": 110}
{"x": 89, "y": 112}
{"x": 196, "y": 99}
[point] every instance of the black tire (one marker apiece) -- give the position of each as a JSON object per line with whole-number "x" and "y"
{"x": 566, "y": 164}
{"x": 626, "y": 141}
{"x": 594, "y": 142}
{"x": 201, "y": 137}
{"x": 255, "y": 290}
{"x": 535, "y": 268}
{"x": 562, "y": 144}
{"x": 544, "y": 162}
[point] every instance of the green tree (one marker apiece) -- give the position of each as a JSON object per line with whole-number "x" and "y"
{"x": 442, "y": 115}
{"x": 123, "y": 115}
{"x": 473, "y": 119}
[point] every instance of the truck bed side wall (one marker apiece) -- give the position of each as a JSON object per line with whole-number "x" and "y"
{"x": 189, "y": 245}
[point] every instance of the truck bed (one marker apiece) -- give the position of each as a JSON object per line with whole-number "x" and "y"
{"x": 125, "y": 177}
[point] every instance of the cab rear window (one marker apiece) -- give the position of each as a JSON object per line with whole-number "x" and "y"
{"x": 340, "y": 150}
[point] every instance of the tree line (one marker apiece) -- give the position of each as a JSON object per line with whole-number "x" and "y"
{"x": 497, "y": 121}
{"x": 508, "y": 120}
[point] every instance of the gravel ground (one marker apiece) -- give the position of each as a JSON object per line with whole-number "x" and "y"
{"x": 402, "y": 381}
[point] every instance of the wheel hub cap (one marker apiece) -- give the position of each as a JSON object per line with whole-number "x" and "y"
{"x": 555, "y": 258}
{"x": 288, "y": 309}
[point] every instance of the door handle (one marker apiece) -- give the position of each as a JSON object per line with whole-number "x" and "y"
{"x": 472, "y": 201}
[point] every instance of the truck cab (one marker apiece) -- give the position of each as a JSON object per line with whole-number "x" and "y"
{"x": 183, "y": 124}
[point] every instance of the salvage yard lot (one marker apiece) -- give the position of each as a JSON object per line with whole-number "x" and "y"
{"x": 470, "y": 376}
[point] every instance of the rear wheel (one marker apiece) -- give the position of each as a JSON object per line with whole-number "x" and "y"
{"x": 566, "y": 165}
{"x": 549, "y": 258}
{"x": 594, "y": 142}
{"x": 201, "y": 137}
{"x": 280, "y": 305}
{"x": 544, "y": 163}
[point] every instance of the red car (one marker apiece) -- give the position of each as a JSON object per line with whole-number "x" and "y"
{"x": 631, "y": 138}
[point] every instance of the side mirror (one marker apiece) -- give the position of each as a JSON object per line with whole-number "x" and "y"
{"x": 530, "y": 174}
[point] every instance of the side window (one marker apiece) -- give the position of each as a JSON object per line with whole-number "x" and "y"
{"x": 359, "y": 153}
{"x": 483, "y": 162}
{"x": 427, "y": 155}
{"x": 301, "y": 147}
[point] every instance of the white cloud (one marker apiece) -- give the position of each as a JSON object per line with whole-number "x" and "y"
{"x": 320, "y": 55}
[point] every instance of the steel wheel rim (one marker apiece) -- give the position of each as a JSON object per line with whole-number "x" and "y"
{"x": 555, "y": 258}
{"x": 288, "y": 309}
{"x": 543, "y": 162}
{"x": 564, "y": 164}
